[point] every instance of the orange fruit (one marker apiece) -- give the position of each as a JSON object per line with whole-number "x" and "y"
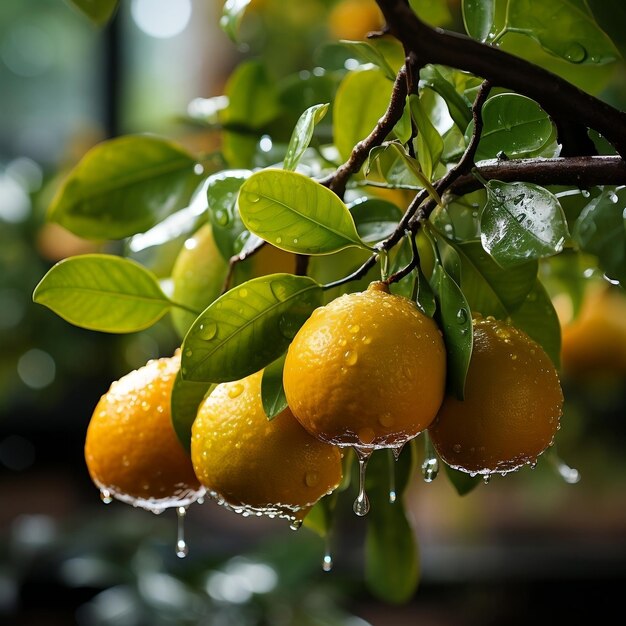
{"x": 131, "y": 449}
{"x": 512, "y": 406}
{"x": 254, "y": 465}
{"x": 594, "y": 343}
{"x": 354, "y": 19}
{"x": 366, "y": 370}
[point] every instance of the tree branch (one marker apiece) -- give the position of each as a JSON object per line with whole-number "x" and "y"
{"x": 560, "y": 99}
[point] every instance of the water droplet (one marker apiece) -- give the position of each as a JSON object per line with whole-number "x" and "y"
{"x": 430, "y": 469}
{"x": 366, "y": 340}
{"x": 207, "y": 330}
{"x": 486, "y": 478}
{"x": 200, "y": 500}
{"x": 327, "y": 562}
{"x": 234, "y": 391}
{"x": 295, "y": 240}
{"x": 456, "y": 447}
{"x": 296, "y": 524}
{"x": 198, "y": 170}
{"x": 243, "y": 292}
{"x": 355, "y": 328}
{"x": 392, "y": 479}
{"x": 462, "y": 316}
{"x": 397, "y": 451}
{"x": 585, "y": 193}
{"x": 182, "y": 550}
{"x": 575, "y": 53}
{"x": 351, "y": 357}
{"x": 222, "y": 217}
{"x": 279, "y": 290}
{"x": 311, "y": 479}
{"x": 569, "y": 474}
{"x": 279, "y": 239}
{"x": 188, "y": 352}
{"x": 361, "y": 505}
{"x": 252, "y": 197}
{"x": 385, "y": 420}
{"x": 105, "y": 496}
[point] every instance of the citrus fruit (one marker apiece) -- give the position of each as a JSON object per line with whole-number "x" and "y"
{"x": 354, "y": 19}
{"x": 131, "y": 449}
{"x": 594, "y": 343}
{"x": 366, "y": 370}
{"x": 200, "y": 270}
{"x": 254, "y": 465}
{"x": 512, "y": 406}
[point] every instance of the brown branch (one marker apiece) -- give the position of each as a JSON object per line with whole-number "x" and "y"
{"x": 238, "y": 258}
{"x": 560, "y": 99}
{"x": 337, "y": 181}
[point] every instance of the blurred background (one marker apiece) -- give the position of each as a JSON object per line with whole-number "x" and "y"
{"x": 528, "y": 547}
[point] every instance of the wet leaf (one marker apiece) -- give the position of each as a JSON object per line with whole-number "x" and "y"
{"x": 600, "y": 230}
{"x": 515, "y": 125}
{"x": 478, "y": 17}
{"x": 248, "y": 327}
{"x": 565, "y": 28}
{"x": 429, "y": 141}
{"x": 186, "y": 398}
{"x": 374, "y": 218}
{"x": 272, "y": 391}
{"x": 302, "y": 134}
{"x": 439, "y": 79}
{"x": 125, "y": 186}
{"x": 295, "y": 213}
{"x": 320, "y": 518}
{"x": 103, "y": 292}
{"x": 222, "y": 191}
{"x": 232, "y": 14}
{"x": 368, "y": 52}
{"x": 520, "y": 222}
{"x": 98, "y": 11}
{"x": 461, "y": 481}
{"x": 361, "y": 100}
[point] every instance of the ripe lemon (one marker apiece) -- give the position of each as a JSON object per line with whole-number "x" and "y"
{"x": 366, "y": 370}
{"x": 354, "y": 19}
{"x": 513, "y": 403}
{"x": 258, "y": 466}
{"x": 131, "y": 449}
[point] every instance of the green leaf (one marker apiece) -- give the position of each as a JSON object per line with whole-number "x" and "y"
{"x": 295, "y": 213}
{"x": 425, "y": 297}
{"x": 125, "y": 186}
{"x": 367, "y": 52}
{"x": 462, "y": 482}
{"x": 600, "y": 231}
{"x": 361, "y": 100}
{"x": 388, "y": 163}
{"x": 513, "y": 124}
{"x": 433, "y": 12}
{"x": 302, "y": 134}
{"x": 98, "y": 11}
{"x": 478, "y": 17}
{"x": 103, "y": 292}
{"x": 232, "y": 14}
{"x": 187, "y": 396}
{"x": 222, "y": 191}
{"x": 520, "y": 222}
{"x": 272, "y": 391}
{"x": 375, "y": 219}
{"x": 429, "y": 141}
{"x": 320, "y": 518}
{"x": 248, "y": 327}
{"x": 441, "y": 81}
{"x": 538, "y": 319}
{"x": 456, "y": 324}
{"x": 392, "y": 562}
{"x": 565, "y": 28}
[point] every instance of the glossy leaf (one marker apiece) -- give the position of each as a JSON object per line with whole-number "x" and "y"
{"x": 272, "y": 391}
{"x": 433, "y": 12}
{"x": 232, "y": 14}
{"x": 103, "y": 292}
{"x": 392, "y": 563}
{"x": 538, "y": 319}
{"x": 125, "y": 186}
{"x": 600, "y": 230}
{"x": 374, "y": 218}
{"x": 565, "y": 28}
{"x": 515, "y": 125}
{"x": 98, "y": 11}
{"x": 295, "y": 213}
{"x": 302, "y": 134}
{"x": 439, "y": 79}
{"x": 462, "y": 482}
{"x": 222, "y": 191}
{"x": 248, "y": 327}
{"x": 186, "y": 397}
{"x": 425, "y": 296}
{"x": 429, "y": 141}
{"x": 368, "y": 52}
{"x": 521, "y": 222}
{"x": 456, "y": 324}
{"x": 361, "y": 100}
{"x": 387, "y": 163}
{"x": 478, "y": 17}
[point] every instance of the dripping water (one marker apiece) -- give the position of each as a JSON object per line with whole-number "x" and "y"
{"x": 362, "y": 505}
{"x": 182, "y": 550}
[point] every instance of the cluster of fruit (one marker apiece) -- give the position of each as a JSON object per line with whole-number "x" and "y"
{"x": 366, "y": 371}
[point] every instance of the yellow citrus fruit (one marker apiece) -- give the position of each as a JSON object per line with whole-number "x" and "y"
{"x": 200, "y": 270}
{"x": 512, "y": 406}
{"x": 594, "y": 343}
{"x": 367, "y": 370}
{"x": 131, "y": 449}
{"x": 354, "y": 19}
{"x": 258, "y": 466}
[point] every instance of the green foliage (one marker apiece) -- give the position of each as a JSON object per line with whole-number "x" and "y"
{"x": 302, "y": 134}
{"x": 232, "y": 14}
{"x": 98, "y": 11}
{"x": 272, "y": 391}
{"x": 186, "y": 398}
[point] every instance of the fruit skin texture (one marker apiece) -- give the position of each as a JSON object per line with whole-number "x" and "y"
{"x": 513, "y": 403}
{"x": 354, "y": 19}
{"x": 131, "y": 448}
{"x": 368, "y": 370}
{"x": 255, "y": 465}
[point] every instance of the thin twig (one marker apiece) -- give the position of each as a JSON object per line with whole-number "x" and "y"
{"x": 410, "y": 266}
{"x": 239, "y": 258}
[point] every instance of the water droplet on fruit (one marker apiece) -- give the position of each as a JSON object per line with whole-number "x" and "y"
{"x": 311, "y": 479}
{"x": 397, "y": 451}
{"x": 366, "y": 340}
{"x": 456, "y": 447}
{"x": 486, "y": 478}
{"x": 105, "y": 496}
{"x": 351, "y": 357}
{"x": 207, "y": 330}
{"x": 355, "y": 328}
{"x": 235, "y": 390}
{"x": 385, "y": 420}
{"x": 182, "y": 550}
{"x": 361, "y": 505}
{"x": 296, "y": 524}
